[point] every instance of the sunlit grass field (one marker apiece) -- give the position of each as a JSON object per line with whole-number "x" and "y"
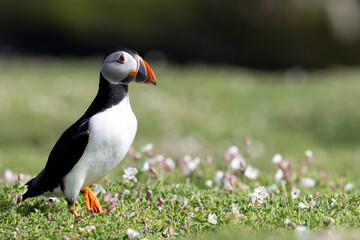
{"x": 195, "y": 109}
{"x": 202, "y": 111}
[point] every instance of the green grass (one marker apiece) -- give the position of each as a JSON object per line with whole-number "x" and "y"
{"x": 37, "y": 218}
{"x": 197, "y": 110}
{"x": 193, "y": 110}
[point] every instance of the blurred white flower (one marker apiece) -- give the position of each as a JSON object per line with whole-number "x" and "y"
{"x": 333, "y": 202}
{"x": 126, "y": 191}
{"x": 148, "y": 147}
{"x": 212, "y": 218}
{"x": 234, "y": 210}
{"x": 158, "y": 158}
{"x": 55, "y": 199}
{"x": 260, "y": 193}
{"x": 90, "y": 228}
{"x": 309, "y": 156}
{"x": 272, "y": 188}
{"x": 132, "y": 233}
{"x": 145, "y": 167}
{"x": 286, "y": 221}
{"x": 9, "y": 176}
{"x": 190, "y": 164}
{"x": 238, "y": 163}
{"x": 308, "y": 182}
{"x": 303, "y": 205}
{"x": 308, "y": 153}
{"x": 300, "y": 229}
{"x": 218, "y": 177}
{"x": 209, "y": 183}
{"x": 279, "y": 175}
{"x": 130, "y": 173}
{"x": 276, "y": 159}
{"x": 98, "y": 188}
{"x": 349, "y": 186}
{"x": 227, "y": 183}
{"x": 170, "y": 164}
{"x": 312, "y": 203}
{"x": 233, "y": 150}
{"x": 251, "y": 172}
{"x": 295, "y": 193}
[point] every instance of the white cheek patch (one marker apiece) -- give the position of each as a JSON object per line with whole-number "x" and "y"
{"x": 114, "y": 71}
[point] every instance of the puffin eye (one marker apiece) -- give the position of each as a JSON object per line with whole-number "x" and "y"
{"x": 121, "y": 59}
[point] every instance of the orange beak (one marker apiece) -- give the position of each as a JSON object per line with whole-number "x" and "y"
{"x": 145, "y": 74}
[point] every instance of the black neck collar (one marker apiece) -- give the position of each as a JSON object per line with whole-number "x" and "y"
{"x": 109, "y": 94}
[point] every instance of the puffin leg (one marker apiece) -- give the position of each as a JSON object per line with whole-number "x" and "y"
{"x": 72, "y": 210}
{"x": 91, "y": 202}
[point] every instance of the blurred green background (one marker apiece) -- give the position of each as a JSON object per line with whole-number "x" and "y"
{"x": 284, "y": 74}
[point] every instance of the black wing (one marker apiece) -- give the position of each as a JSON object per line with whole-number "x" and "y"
{"x": 63, "y": 157}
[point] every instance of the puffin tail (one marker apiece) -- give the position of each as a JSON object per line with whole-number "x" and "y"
{"x": 34, "y": 186}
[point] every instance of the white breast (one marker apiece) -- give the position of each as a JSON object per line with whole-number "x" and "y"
{"x": 111, "y": 135}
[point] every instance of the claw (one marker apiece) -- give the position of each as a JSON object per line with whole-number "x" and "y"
{"x": 73, "y": 211}
{"x": 91, "y": 202}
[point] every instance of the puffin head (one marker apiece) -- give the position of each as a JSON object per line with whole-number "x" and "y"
{"x": 124, "y": 65}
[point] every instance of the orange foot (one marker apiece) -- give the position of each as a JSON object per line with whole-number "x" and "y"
{"x": 73, "y": 210}
{"x": 91, "y": 202}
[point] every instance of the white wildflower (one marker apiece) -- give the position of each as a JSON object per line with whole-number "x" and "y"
{"x": 233, "y": 150}
{"x": 194, "y": 163}
{"x": 308, "y": 182}
{"x": 159, "y": 158}
{"x": 126, "y": 191}
{"x": 9, "y": 176}
{"x": 145, "y": 167}
{"x": 286, "y": 221}
{"x": 90, "y": 228}
{"x": 260, "y": 193}
{"x": 54, "y": 199}
{"x": 191, "y": 214}
{"x": 212, "y": 218}
{"x": 209, "y": 183}
{"x": 251, "y": 172}
{"x": 349, "y": 186}
{"x": 279, "y": 175}
{"x": 300, "y": 229}
{"x": 238, "y": 163}
{"x": 148, "y": 147}
{"x": 333, "y": 202}
{"x": 308, "y": 153}
{"x": 272, "y": 188}
{"x": 169, "y": 163}
{"x": 234, "y": 210}
{"x": 227, "y": 183}
{"x": 130, "y": 173}
{"x": 98, "y": 188}
{"x": 132, "y": 234}
{"x": 218, "y": 177}
{"x": 295, "y": 193}
{"x": 303, "y": 205}
{"x": 190, "y": 164}
{"x": 276, "y": 159}
{"x": 312, "y": 203}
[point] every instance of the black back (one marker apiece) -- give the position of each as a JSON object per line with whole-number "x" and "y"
{"x": 72, "y": 143}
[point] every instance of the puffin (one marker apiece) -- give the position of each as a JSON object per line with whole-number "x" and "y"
{"x": 90, "y": 148}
